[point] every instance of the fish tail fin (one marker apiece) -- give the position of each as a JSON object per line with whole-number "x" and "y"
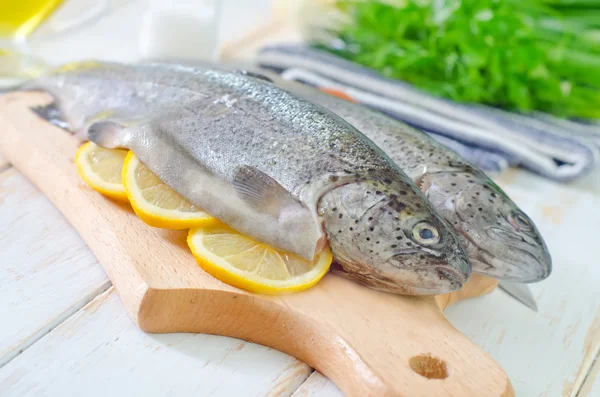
{"x": 52, "y": 114}
{"x": 108, "y": 134}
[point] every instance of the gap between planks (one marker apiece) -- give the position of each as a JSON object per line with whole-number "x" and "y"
{"x": 590, "y": 387}
{"x": 585, "y": 383}
{"x": 317, "y": 385}
{"x": 47, "y": 328}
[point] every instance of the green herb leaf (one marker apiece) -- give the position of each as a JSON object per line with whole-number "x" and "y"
{"x": 516, "y": 54}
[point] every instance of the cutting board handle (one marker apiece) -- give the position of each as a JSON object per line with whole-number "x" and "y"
{"x": 369, "y": 343}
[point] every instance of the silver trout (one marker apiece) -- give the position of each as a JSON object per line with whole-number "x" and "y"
{"x": 500, "y": 239}
{"x": 273, "y": 166}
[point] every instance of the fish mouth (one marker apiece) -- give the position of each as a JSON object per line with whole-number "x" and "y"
{"x": 453, "y": 275}
{"x": 519, "y": 265}
{"x": 527, "y": 269}
{"x": 444, "y": 269}
{"x": 441, "y": 278}
{"x": 401, "y": 275}
{"x": 447, "y": 280}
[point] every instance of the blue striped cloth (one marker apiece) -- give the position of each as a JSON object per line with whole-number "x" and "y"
{"x": 491, "y": 138}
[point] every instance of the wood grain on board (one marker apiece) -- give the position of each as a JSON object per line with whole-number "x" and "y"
{"x": 100, "y": 352}
{"x": 46, "y": 271}
{"x": 338, "y": 327}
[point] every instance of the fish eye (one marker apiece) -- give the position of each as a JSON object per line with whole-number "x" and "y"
{"x": 519, "y": 221}
{"x": 425, "y": 233}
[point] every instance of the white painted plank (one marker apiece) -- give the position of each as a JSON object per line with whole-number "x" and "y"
{"x": 46, "y": 270}
{"x": 100, "y": 352}
{"x": 318, "y": 385}
{"x": 548, "y": 353}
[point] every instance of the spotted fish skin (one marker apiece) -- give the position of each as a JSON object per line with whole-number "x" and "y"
{"x": 273, "y": 166}
{"x": 500, "y": 239}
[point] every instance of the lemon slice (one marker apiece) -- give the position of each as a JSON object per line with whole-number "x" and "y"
{"x": 156, "y": 203}
{"x": 101, "y": 168}
{"x": 247, "y": 264}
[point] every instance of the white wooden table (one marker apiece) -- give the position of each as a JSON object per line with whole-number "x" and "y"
{"x": 63, "y": 330}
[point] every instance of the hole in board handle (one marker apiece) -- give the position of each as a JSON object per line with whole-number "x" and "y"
{"x": 429, "y": 366}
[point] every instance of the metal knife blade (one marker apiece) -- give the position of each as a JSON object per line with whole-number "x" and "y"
{"x": 520, "y": 292}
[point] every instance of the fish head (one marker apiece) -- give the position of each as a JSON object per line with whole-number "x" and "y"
{"x": 391, "y": 239}
{"x": 500, "y": 239}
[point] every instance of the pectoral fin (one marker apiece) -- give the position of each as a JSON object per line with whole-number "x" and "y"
{"x": 108, "y": 134}
{"x": 520, "y": 292}
{"x": 111, "y": 129}
{"x": 262, "y": 192}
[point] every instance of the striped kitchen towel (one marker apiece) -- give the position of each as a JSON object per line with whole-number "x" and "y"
{"x": 489, "y": 137}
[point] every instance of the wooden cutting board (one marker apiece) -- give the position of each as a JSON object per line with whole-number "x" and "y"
{"x": 367, "y": 342}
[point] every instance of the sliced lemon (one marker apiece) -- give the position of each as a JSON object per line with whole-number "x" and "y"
{"x": 101, "y": 169}
{"x": 247, "y": 264}
{"x": 156, "y": 203}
